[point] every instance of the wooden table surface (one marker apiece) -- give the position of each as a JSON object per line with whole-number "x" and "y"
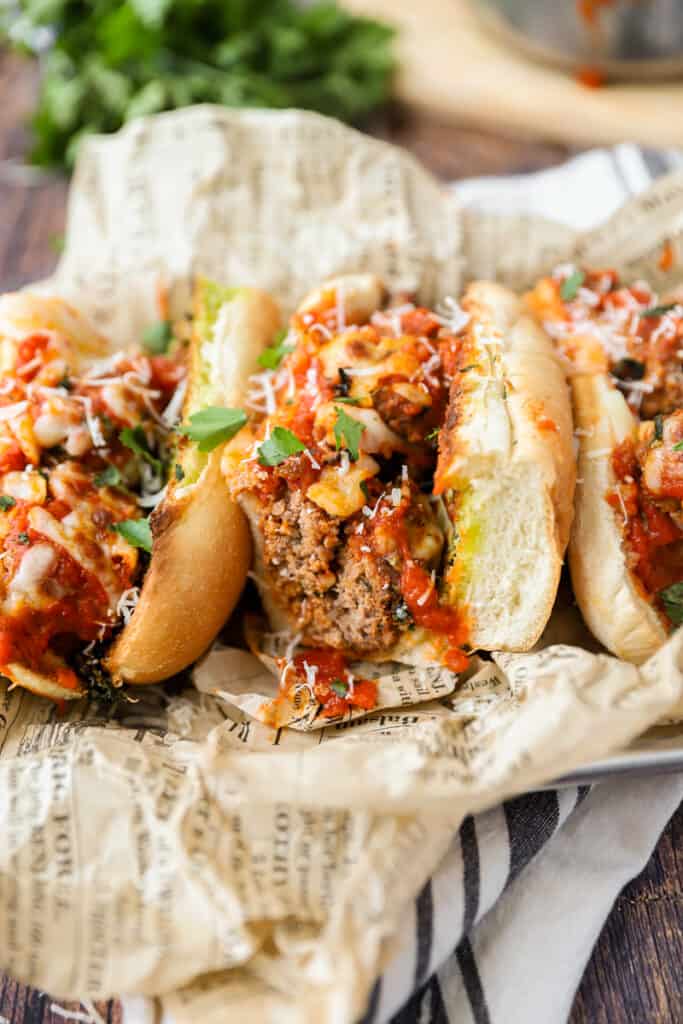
{"x": 635, "y": 972}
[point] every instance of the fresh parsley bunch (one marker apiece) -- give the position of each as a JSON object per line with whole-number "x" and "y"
{"x": 111, "y": 61}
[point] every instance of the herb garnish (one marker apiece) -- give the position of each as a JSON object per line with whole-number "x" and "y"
{"x": 570, "y": 286}
{"x": 278, "y": 447}
{"x": 432, "y": 435}
{"x": 347, "y": 431}
{"x": 340, "y": 688}
{"x": 272, "y": 356}
{"x": 213, "y": 426}
{"x": 136, "y": 439}
{"x": 659, "y": 427}
{"x": 136, "y": 531}
{"x": 24, "y": 538}
{"x": 6, "y": 502}
{"x": 672, "y": 599}
{"x": 178, "y": 472}
{"x": 659, "y": 310}
{"x": 344, "y": 386}
{"x": 157, "y": 337}
{"x": 365, "y": 489}
{"x": 678, "y": 447}
{"x": 109, "y": 477}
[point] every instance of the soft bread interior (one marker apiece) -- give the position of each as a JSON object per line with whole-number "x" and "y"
{"x": 606, "y": 592}
{"x": 505, "y": 559}
{"x": 506, "y": 458}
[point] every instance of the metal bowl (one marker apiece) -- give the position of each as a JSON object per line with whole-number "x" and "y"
{"x": 623, "y": 38}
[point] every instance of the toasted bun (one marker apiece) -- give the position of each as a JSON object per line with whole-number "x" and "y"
{"x": 506, "y": 453}
{"x": 606, "y": 592}
{"x": 201, "y": 546}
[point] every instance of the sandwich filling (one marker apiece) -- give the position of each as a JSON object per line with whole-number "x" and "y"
{"x": 335, "y": 469}
{"x": 81, "y": 465}
{"x": 628, "y": 332}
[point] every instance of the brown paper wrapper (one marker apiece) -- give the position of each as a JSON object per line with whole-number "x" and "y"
{"x": 181, "y": 848}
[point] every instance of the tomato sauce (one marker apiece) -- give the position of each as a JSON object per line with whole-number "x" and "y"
{"x": 335, "y": 689}
{"x": 421, "y": 597}
{"x": 667, "y": 257}
{"x": 78, "y": 612}
{"x": 652, "y": 538}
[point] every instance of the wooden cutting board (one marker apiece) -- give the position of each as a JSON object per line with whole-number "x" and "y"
{"x": 452, "y": 65}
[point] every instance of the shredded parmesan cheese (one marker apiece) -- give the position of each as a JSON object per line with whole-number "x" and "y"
{"x": 126, "y": 604}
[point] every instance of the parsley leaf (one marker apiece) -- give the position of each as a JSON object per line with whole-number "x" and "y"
{"x": 678, "y": 447}
{"x": 179, "y": 471}
{"x": 157, "y": 337}
{"x": 24, "y": 538}
{"x": 272, "y": 356}
{"x": 659, "y": 310}
{"x": 109, "y": 477}
{"x": 340, "y": 688}
{"x": 6, "y": 502}
{"x": 347, "y": 431}
{"x": 432, "y": 435}
{"x": 280, "y": 445}
{"x": 135, "y": 439}
{"x": 349, "y": 401}
{"x": 659, "y": 427}
{"x": 213, "y": 426}
{"x": 672, "y": 599}
{"x": 570, "y": 286}
{"x": 137, "y": 532}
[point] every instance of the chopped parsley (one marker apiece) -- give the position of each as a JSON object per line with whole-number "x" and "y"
{"x": 432, "y": 435}
{"x": 349, "y": 401}
{"x": 179, "y": 472}
{"x": 65, "y": 383}
{"x": 6, "y": 502}
{"x": 109, "y": 477}
{"x": 659, "y": 427}
{"x": 272, "y": 356}
{"x": 213, "y": 426}
{"x": 136, "y": 439}
{"x": 672, "y": 599}
{"x": 678, "y": 447}
{"x": 24, "y": 538}
{"x": 347, "y": 431}
{"x": 659, "y": 310}
{"x": 157, "y": 337}
{"x": 280, "y": 445}
{"x": 136, "y": 531}
{"x": 570, "y": 286}
{"x": 339, "y": 687}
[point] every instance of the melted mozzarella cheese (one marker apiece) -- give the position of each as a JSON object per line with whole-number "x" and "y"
{"x": 26, "y": 585}
{"x": 338, "y": 492}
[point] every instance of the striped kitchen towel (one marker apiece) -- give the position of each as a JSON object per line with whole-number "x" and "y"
{"x": 504, "y": 929}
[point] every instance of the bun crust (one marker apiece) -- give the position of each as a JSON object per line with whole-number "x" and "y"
{"x": 506, "y": 452}
{"x": 606, "y": 592}
{"x": 201, "y": 549}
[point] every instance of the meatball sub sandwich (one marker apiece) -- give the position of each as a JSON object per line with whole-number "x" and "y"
{"x": 407, "y": 475}
{"x": 87, "y": 449}
{"x": 624, "y": 348}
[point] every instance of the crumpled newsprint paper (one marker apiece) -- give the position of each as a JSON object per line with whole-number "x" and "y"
{"x": 177, "y": 846}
